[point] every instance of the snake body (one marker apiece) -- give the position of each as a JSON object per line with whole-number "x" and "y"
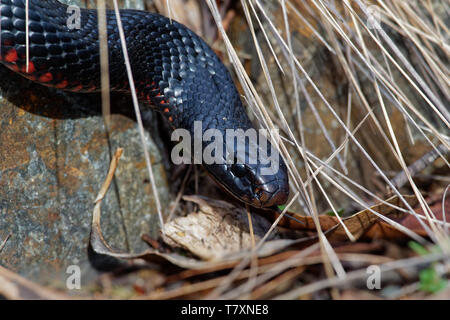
{"x": 174, "y": 71}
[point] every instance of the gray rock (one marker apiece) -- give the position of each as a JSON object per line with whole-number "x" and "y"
{"x": 54, "y": 156}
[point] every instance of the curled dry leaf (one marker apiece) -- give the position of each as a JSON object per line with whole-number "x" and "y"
{"x": 218, "y": 231}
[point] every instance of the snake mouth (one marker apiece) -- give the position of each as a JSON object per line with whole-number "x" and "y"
{"x": 259, "y": 196}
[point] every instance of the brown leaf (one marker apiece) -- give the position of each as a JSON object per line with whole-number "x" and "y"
{"x": 216, "y": 231}
{"x": 364, "y": 223}
{"x": 411, "y": 222}
{"x": 367, "y": 224}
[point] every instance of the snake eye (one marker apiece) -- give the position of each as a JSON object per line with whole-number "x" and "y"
{"x": 238, "y": 170}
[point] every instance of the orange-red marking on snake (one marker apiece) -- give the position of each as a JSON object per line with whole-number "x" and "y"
{"x": 78, "y": 87}
{"x": 62, "y": 84}
{"x": 11, "y": 56}
{"x": 91, "y": 89}
{"x": 7, "y": 42}
{"x": 46, "y": 77}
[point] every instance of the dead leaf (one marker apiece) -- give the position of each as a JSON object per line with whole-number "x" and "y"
{"x": 436, "y": 207}
{"x": 367, "y": 224}
{"x": 362, "y": 224}
{"x": 215, "y": 232}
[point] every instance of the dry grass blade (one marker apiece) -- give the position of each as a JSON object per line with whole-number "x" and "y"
{"x": 268, "y": 288}
{"x": 352, "y": 53}
{"x": 2, "y": 245}
{"x": 243, "y": 264}
{"x": 180, "y": 194}
{"x": 444, "y": 219}
{"x": 396, "y": 50}
{"x": 397, "y": 151}
{"x": 360, "y": 274}
{"x": 315, "y": 87}
{"x": 104, "y": 62}
{"x": 15, "y": 287}
{"x": 138, "y": 114}
{"x": 109, "y": 176}
{"x": 27, "y": 36}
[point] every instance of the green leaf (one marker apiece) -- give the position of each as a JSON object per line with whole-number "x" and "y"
{"x": 340, "y": 212}
{"x": 418, "y": 248}
{"x": 431, "y": 281}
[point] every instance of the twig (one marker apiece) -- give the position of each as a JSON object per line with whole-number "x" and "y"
{"x": 400, "y": 179}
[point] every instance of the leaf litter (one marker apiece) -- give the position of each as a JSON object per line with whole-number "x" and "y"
{"x": 216, "y": 237}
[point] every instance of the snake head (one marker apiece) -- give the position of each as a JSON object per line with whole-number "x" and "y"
{"x": 246, "y": 183}
{"x": 261, "y": 180}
